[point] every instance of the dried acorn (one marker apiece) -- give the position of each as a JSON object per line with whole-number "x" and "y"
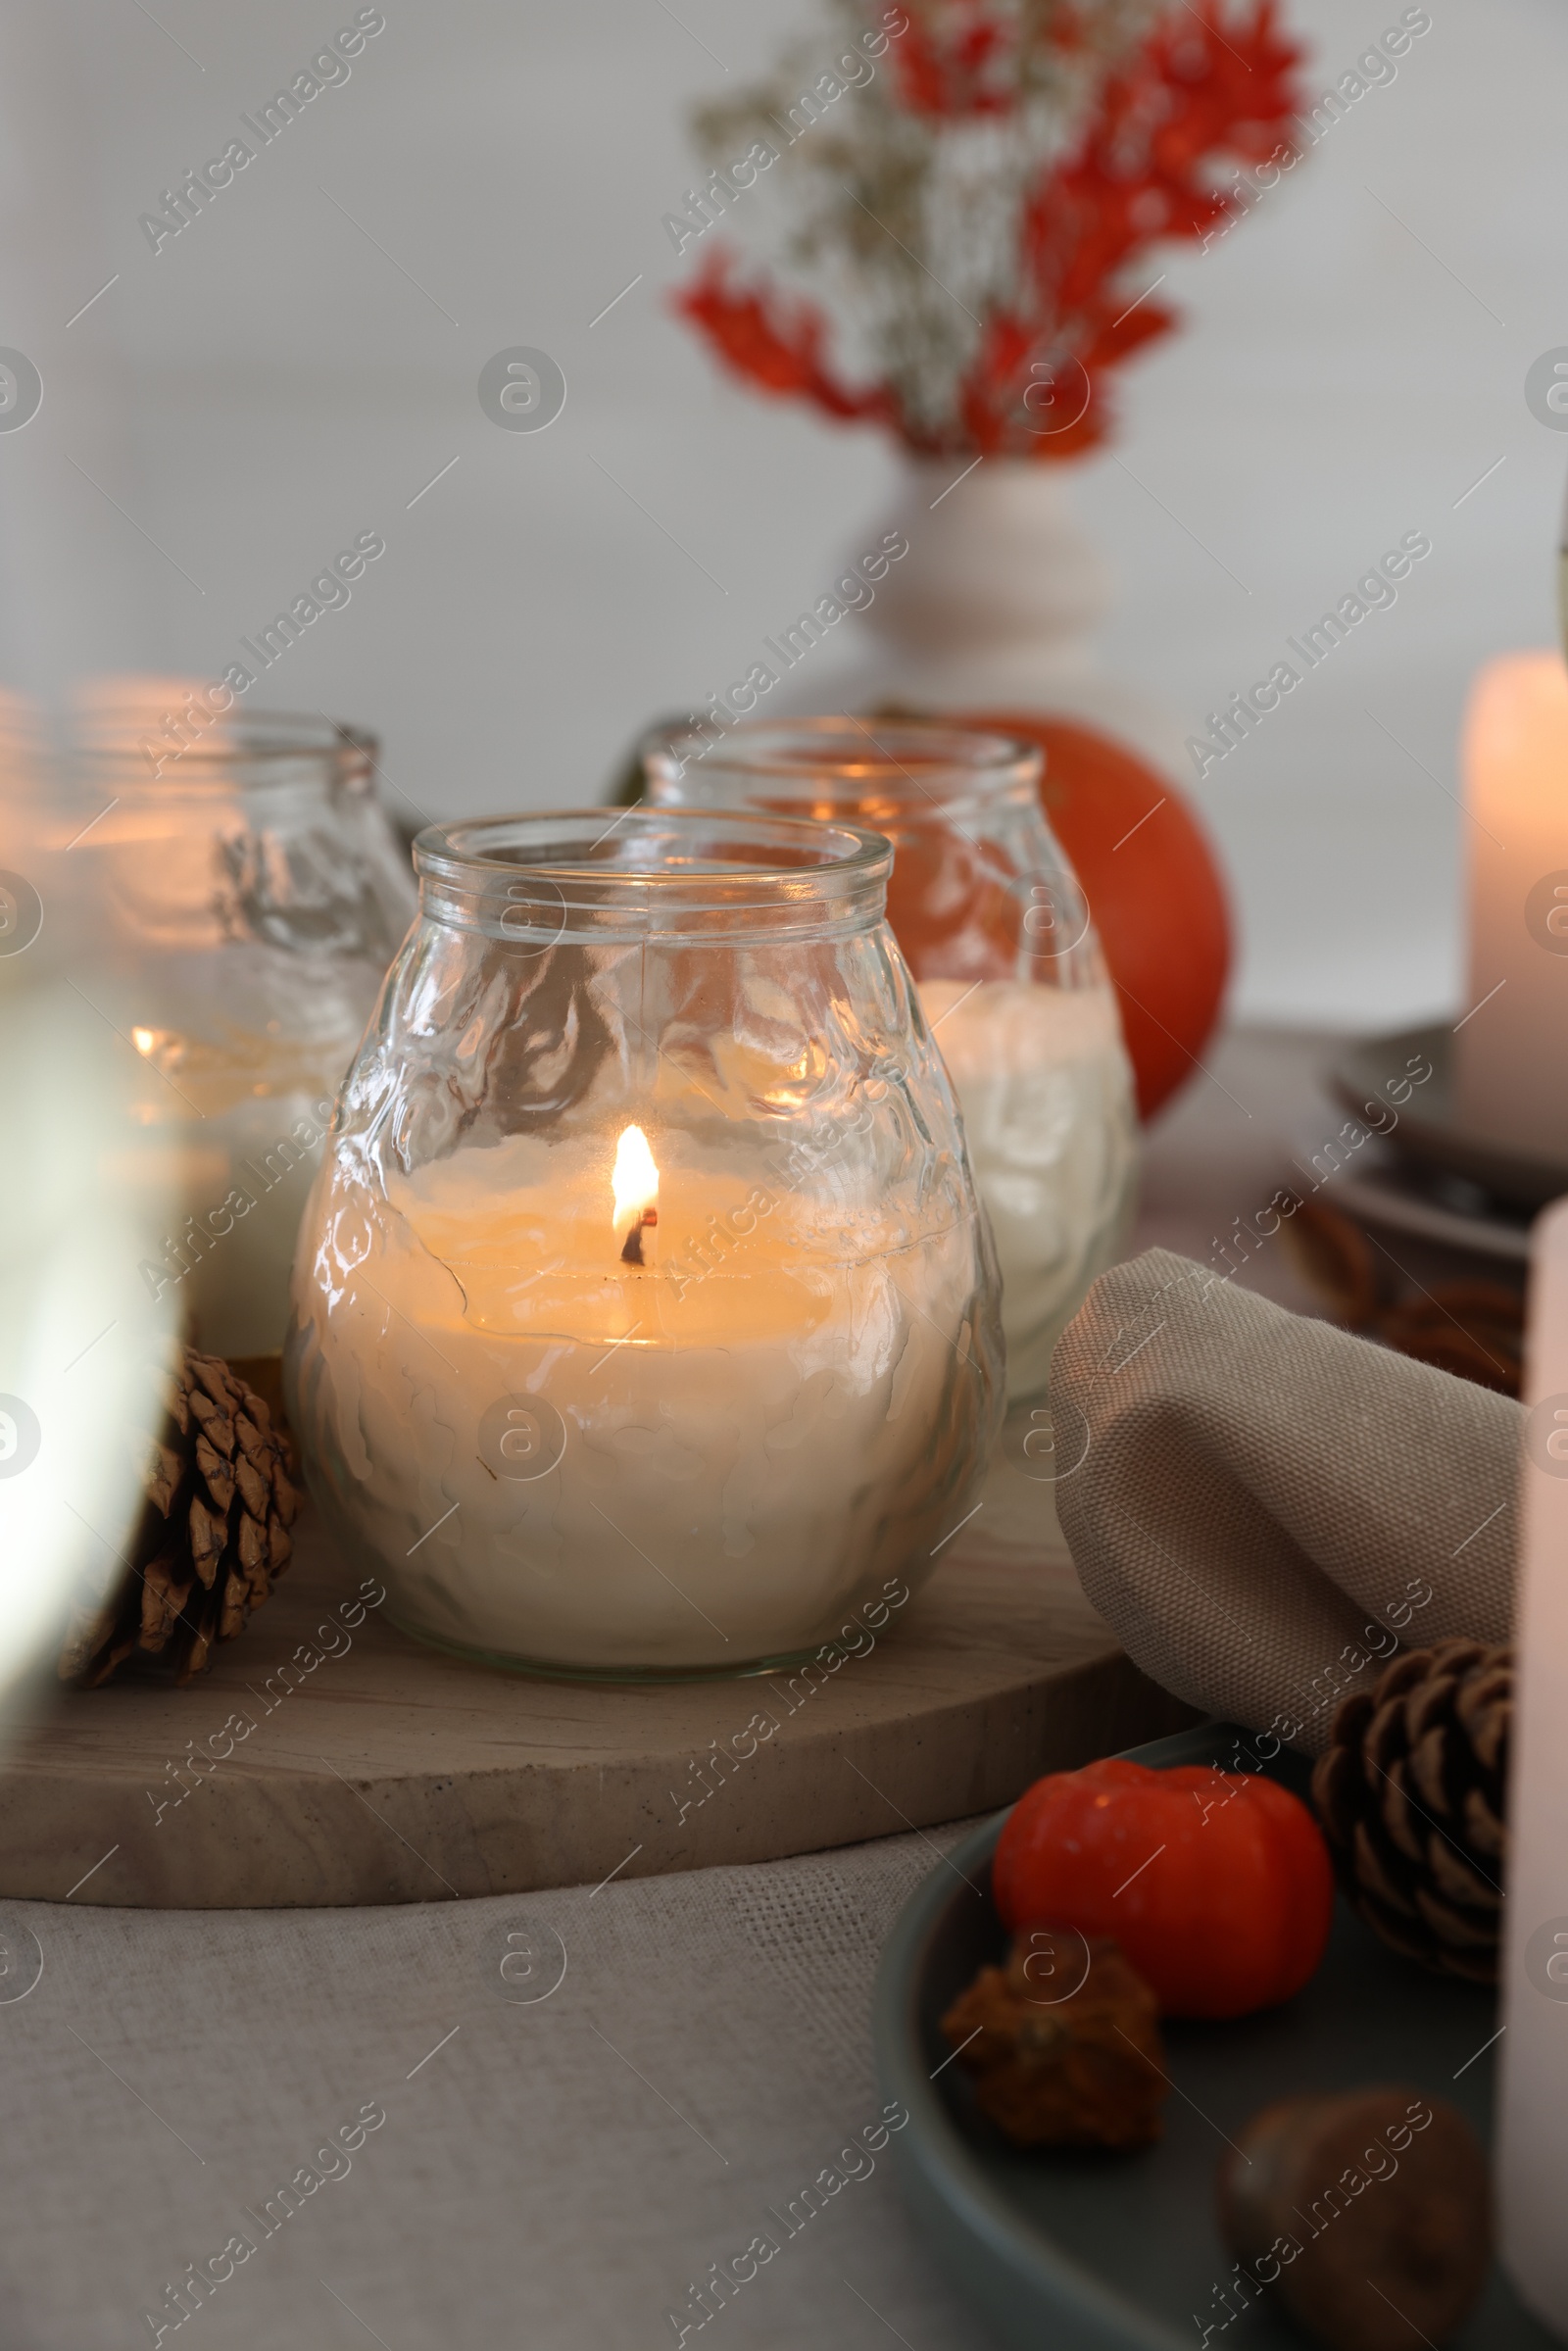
{"x": 1367, "y": 2213}
{"x": 1064, "y": 2044}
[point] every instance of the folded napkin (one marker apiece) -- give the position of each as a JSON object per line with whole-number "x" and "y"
{"x": 1264, "y": 1508}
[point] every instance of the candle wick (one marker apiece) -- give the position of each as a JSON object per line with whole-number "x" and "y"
{"x": 632, "y": 1253}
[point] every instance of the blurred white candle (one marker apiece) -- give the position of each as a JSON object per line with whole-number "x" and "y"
{"x": 1511, "y": 1072}
{"x": 79, "y": 1336}
{"x": 1533, "y": 2139}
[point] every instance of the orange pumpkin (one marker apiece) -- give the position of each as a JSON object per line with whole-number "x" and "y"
{"x": 1153, "y": 885}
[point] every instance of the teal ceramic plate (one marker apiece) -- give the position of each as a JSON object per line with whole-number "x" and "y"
{"x": 1121, "y": 2253}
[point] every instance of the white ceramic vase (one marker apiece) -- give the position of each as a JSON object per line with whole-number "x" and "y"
{"x": 996, "y": 604}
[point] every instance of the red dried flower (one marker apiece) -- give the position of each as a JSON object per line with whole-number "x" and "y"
{"x": 1197, "y": 90}
{"x": 952, "y": 70}
{"x": 771, "y": 343}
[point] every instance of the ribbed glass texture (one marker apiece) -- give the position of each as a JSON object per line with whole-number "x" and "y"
{"x": 241, "y": 895}
{"x": 645, "y": 1321}
{"x": 999, "y": 937}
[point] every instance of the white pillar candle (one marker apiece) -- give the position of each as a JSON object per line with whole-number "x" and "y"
{"x": 1533, "y": 2139}
{"x": 576, "y": 1436}
{"x": 1511, "y": 1083}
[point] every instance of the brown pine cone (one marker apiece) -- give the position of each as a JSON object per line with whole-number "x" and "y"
{"x": 214, "y": 1533}
{"x": 1410, "y": 1793}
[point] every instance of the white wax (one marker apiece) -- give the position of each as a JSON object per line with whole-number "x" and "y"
{"x": 1510, "y": 1049}
{"x": 729, "y": 1462}
{"x": 1046, "y": 1092}
{"x": 233, "y": 1137}
{"x": 1533, "y": 2136}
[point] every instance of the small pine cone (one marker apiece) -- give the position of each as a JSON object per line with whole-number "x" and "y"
{"x": 1410, "y": 1793}
{"x": 220, "y": 1498}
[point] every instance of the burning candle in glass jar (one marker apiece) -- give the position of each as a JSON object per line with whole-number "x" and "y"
{"x": 246, "y": 894}
{"x": 601, "y": 1404}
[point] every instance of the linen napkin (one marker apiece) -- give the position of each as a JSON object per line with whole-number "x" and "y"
{"x": 1264, "y": 1508}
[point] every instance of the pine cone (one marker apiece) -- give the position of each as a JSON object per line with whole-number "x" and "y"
{"x": 214, "y": 1534}
{"x": 1410, "y": 1795}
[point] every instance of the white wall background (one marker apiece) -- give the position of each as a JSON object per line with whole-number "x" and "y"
{"x": 232, "y": 411}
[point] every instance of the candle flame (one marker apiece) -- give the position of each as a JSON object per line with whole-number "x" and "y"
{"x": 635, "y": 1180}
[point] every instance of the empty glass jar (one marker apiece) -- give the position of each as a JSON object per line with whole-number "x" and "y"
{"x": 996, "y": 930}
{"x": 643, "y": 1315}
{"x": 245, "y": 894}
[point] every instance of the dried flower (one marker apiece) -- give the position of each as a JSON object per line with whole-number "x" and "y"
{"x": 967, "y": 204}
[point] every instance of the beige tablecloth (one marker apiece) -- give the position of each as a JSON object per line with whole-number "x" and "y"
{"x": 551, "y": 2176}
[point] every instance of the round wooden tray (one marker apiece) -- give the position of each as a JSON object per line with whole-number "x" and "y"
{"x": 391, "y": 1773}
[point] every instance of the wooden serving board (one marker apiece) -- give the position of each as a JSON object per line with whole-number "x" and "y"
{"x": 392, "y": 1773}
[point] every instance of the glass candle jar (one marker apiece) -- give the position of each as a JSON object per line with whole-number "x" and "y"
{"x": 996, "y": 930}
{"x": 246, "y": 896}
{"x": 644, "y": 1320}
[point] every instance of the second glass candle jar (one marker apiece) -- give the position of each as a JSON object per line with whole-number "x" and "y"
{"x": 995, "y": 928}
{"x": 242, "y": 895}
